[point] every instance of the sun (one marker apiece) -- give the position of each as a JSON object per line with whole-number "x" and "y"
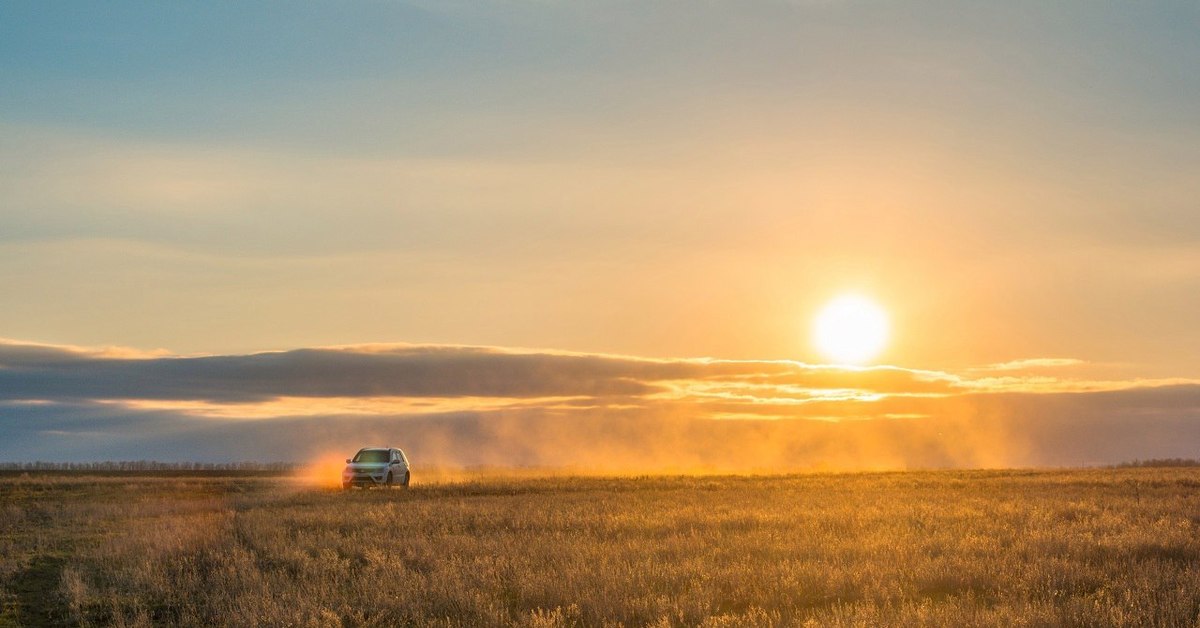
{"x": 850, "y": 329}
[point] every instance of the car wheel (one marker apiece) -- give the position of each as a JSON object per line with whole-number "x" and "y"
{"x": 407, "y": 478}
{"x": 388, "y": 483}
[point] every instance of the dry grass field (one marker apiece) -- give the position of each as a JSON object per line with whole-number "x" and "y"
{"x": 940, "y": 548}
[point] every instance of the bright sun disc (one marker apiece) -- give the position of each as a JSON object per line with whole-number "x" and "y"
{"x": 850, "y": 330}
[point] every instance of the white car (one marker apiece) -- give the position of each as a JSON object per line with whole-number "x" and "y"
{"x": 376, "y": 466}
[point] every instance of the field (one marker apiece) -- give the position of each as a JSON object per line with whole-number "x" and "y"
{"x": 1111, "y": 547}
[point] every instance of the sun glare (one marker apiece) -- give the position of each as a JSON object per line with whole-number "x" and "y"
{"x": 851, "y": 329}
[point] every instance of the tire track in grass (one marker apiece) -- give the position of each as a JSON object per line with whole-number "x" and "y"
{"x": 35, "y": 588}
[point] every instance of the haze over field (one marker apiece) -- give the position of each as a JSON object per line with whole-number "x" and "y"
{"x": 601, "y": 236}
{"x": 454, "y": 406}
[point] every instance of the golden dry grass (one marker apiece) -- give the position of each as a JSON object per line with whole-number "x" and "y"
{"x": 1048, "y": 548}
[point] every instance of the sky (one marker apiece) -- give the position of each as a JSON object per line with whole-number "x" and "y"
{"x": 480, "y": 226}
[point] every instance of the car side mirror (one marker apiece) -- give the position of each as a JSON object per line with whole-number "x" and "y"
{"x": 347, "y": 461}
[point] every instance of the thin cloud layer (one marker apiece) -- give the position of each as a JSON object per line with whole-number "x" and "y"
{"x": 1029, "y": 363}
{"x": 462, "y": 405}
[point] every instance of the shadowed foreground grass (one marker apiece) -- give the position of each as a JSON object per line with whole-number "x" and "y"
{"x": 1075, "y": 548}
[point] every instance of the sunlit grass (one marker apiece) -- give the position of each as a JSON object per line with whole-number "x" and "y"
{"x": 1076, "y": 548}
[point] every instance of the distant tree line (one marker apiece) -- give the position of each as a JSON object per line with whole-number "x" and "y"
{"x": 147, "y": 465}
{"x": 1161, "y": 462}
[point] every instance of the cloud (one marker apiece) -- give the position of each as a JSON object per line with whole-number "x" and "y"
{"x": 18, "y": 351}
{"x": 40, "y": 372}
{"x": 1020, "y": 365}
{"x": 465, "y": 405}
{"x": 48, "y": 372}
{"x": 981, "y": 431}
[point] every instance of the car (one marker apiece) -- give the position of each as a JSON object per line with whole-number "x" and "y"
{"x": 377, "y": 466}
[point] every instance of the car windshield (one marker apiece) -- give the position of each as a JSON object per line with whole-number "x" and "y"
{"x": 372, "y": 455}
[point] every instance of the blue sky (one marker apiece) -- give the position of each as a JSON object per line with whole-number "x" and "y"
{"x": 493, "y": 144}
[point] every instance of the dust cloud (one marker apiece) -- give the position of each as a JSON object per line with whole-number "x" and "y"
{"x": 985, "y": 431}
{"x": 453, "y": 450}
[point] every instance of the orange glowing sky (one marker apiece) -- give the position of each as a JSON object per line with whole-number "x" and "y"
{"x": 676, "y": 183}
